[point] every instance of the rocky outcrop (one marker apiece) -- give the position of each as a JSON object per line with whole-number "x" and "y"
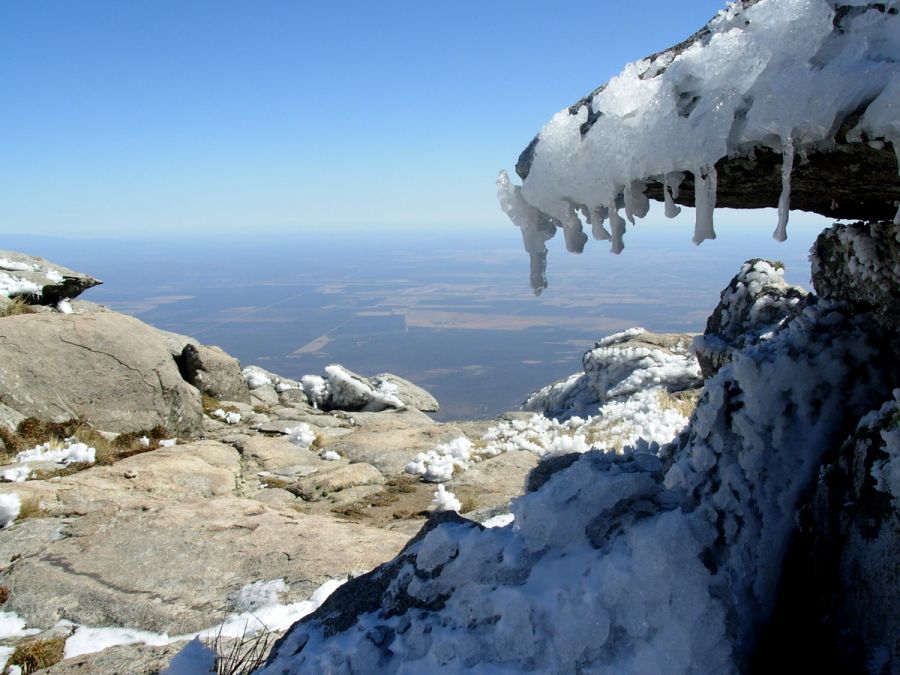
{"x": 39, "y": 281}
{"x": 755, "y": 303}
{"x": 213, "y": 372}
{"x": 106, "y": 368}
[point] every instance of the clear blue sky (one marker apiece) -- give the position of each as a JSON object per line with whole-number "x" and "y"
{"x": 145, "y": 118}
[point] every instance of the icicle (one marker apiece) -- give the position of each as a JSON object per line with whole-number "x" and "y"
{"x": 574, "y": 232}
{"x": 538, "y": 276}
{"x": 896, "y": 143}
{"x": 640, "y": 204}
{"x": 598, "y": 215}
{"x": 629, "y": 204}
{"x": 784, "y": 201}
{"x": 669, "y": 193}
{"x": 705, "y": 203}
{"x": 617, "y": 225}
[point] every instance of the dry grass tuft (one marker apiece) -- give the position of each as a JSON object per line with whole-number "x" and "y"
{"x": 241, "y": 656}
{"x": 275, "y": 482}
{"x": 683, "y": 402}
{"x": 31, "y": 507}
{"x": 32, "y": 655}
{"x": 16, "y": 306}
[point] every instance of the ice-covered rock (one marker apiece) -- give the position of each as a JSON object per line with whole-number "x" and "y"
{"x": 617, "y": 367}
{"x": 753, "y": 305}
{"x": 858, "y": 264}
{"x": 40, "y": 281}
{"x": 775, "y": 103}
{"x": 853, "y": 548}
{"x": 342, "y": 389}
{"x": 702, "y": 533}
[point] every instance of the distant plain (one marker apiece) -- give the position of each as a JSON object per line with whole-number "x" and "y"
{"x": 450, "y": 310}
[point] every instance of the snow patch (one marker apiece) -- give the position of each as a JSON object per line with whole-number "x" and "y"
{"x": 71, "y": 451}
{"x": 444, "y": 500}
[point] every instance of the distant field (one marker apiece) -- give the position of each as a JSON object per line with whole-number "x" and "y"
{"x": 453, "y": 313}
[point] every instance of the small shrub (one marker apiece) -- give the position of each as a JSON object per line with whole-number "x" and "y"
{"x": 32, "y": 655}
{"x": 16, "y": 306}
{"x": 261, "y": 409}
{"x": 4, "y": 595}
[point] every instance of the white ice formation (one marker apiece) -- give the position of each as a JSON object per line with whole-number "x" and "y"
{"x": 639, "y": 562}
{"x": 773, "y": 74}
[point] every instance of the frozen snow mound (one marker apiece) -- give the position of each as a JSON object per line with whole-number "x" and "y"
{"x": 618, "y": 367}
{"x": 342, "y": 389}
{"x": 773, "y": 103}
{"x": 701, "y": 529}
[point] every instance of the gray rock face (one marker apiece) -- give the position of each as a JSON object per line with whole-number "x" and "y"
{"x": 213, "y": 372}
{"x": 756, "y": 301}
{"x": 47, "y": 282}
{"x": 858, "y": 265}
{"x": 107, "y": 368}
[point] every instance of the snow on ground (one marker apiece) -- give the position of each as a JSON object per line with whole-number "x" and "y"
{"x": 639, "y": 562}
{"x": 444, "y": 500}
{"x": 259, "y": 610}
{"x": 540, "y": 435}
{"x": 755, "y": 80}
{"x": 229, "y": 417}
{"x": 623, "y": 394}
{"x": 301, "y": 435}
{"x": 71, "y": 451}
{"x": 17, "y": 474}
{"x": 10, "y": 505}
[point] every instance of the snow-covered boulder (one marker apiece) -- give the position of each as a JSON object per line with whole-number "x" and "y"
{"x": 618, "y": 367}
{"x": 213, "y": 372}
{"x": 342, "y": 389}
{"x": 40, "y": 281}
{"x": 773, "y": 103}
{"x": 107, "y": 368}
{"x": 754, "y": 304}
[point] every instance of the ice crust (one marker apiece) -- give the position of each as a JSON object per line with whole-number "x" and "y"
{"x": 627, "y": 563}
{"x": 777, "y": 74}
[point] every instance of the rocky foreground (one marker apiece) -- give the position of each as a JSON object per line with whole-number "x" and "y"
{"x": 153, "y": 489}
